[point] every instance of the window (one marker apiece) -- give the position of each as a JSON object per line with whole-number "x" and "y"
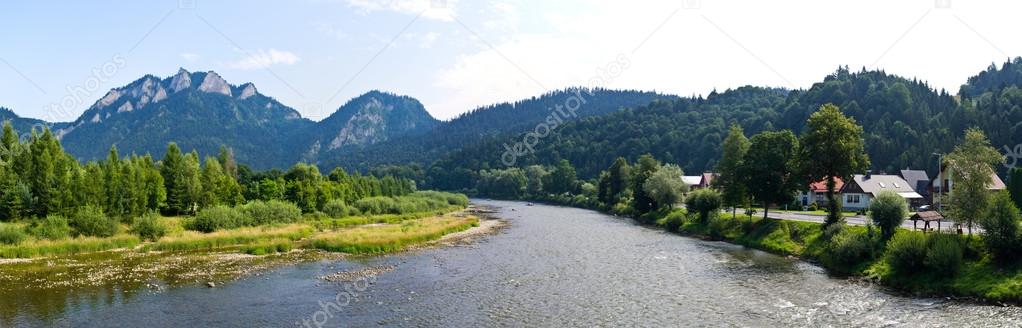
{"x": 896, "y": 185}
{"x": 882, "y": 185}
{"x": 852, "y": 199}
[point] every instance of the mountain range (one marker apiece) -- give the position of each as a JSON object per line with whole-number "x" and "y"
{"x": 203, "y": 111}
{"x": 905, "y": 120}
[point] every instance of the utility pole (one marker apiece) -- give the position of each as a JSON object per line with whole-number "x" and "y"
{"x": 940, "y": 178}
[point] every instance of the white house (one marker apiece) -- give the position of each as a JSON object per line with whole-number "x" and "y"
{"x": 859, "y": 192}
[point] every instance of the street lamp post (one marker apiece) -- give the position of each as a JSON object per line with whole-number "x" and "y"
{"x": 940, "y": 192}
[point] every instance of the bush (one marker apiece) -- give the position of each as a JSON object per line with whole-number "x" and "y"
{"x": 1001, "y": 229}
{"x": 11, "y": 234}
{"x": 813, "y": 207}
{"x": 848, "y": 248}
{"x": 216, "y": 218}
{"x": 907, "y": 252}
{"x": 269, "y": 212}
{"x": 944, "y": 254}
{"x": 674, "y": 220}
{"x": 91, "y": 221}
{"x": 53, "y": 227}
{"x": 449, "y": 198}
{"x": 338, "y": 209}
{"x": 888, "y": 210}
{"x": 705, "y": 202}
{"x": 377, "y": 205}
{"x": 150, "y": 226}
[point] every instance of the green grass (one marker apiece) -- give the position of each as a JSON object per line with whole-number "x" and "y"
{"x": 391, "y": 237}
{"x": 41, "y": 248}
{"x": 192, "y": 240}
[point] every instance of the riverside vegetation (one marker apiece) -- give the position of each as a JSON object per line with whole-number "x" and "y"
{"x": 52, "y": 207}
{"x": 769, "y": 168}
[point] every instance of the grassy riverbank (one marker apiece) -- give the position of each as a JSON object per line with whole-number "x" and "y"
{"x": 977, "y": 276}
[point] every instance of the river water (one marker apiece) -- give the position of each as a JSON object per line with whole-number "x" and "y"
{"x": 553, "y": 266}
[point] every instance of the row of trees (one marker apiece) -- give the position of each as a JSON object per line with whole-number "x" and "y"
{"x": 38, "y": 178}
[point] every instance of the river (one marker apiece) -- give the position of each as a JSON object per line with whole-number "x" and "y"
{"x": 553, "y": 266}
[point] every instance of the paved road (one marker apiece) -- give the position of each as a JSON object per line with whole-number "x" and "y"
{"x": 856, "y": 220}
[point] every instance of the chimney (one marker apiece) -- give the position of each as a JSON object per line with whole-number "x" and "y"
{"x": 869, "y": 173}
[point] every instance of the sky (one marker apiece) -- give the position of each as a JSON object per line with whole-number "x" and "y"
{"x": 58, "y": 58}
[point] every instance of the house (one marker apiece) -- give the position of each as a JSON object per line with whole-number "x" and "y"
{"x": 817, "y": 192}
{"x": 707, "y": 180}
{"x": 858, "y": 193}
{"x": 692, "y": 181}
{"x": 937, "y": 184}
{"x": 920, "y": 182}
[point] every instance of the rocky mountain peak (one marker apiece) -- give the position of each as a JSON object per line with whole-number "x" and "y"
{"x": 213, "y": 83}
{"x": 181, "y": 81}
{"x": 247, "y": 90}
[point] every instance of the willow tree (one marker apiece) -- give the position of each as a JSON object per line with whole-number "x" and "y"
{"x": 832, "y": 147}
{"x": 971, "y": 165}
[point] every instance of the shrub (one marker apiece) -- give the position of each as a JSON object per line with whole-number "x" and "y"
{"x": 449, "y": 198}
{"x": 944, "y": 254}
{"x": 814, "y": 207}
{"x": 11, "y": 234}
{"x": 53, "y": 227}
{"x": 150, "y": 226}
{"x": 716, "y": 228}
{"x": 888, "y": 210}
{"x": 906, "y": 252}
{"x": 91, "y": 221}
{"x": 848, "y": 248}
{"x": 705, "y": 202}
{"x": 674, "y": 220}
{"x": 268, "y": 212}
{"x": 216, "y": 218}
{"x": 1001, "y": 229}
{"x": 338, "y": 209}
{"x": 377, "y": 205}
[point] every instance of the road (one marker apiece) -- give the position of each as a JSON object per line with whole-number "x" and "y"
{"x": 856, "y": 220}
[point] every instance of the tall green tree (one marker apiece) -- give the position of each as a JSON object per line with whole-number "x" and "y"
{"x": 832, "y": 147}
{"x": 614, "y": 185}
{"x": 971, "y": 165}
{"x": 642, "y": 202}
{"x": 730, "y": 181}
{"x": 1015, "y": 185}
{"x": 769, "y": 168}
{"x": 1001, "y": 229}
{"x": 562, "y": 178}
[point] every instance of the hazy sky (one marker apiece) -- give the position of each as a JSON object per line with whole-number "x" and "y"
{"x": 57, "y": 58}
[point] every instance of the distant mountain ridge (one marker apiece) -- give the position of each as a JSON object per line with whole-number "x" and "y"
{"x": 203, "y": 111}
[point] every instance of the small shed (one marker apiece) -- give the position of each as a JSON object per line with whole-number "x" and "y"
{"x": 926, "y": 217}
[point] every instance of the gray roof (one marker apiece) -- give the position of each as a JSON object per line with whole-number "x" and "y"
{"x": 917, "y": 179}
{"x": 879, "y": 182}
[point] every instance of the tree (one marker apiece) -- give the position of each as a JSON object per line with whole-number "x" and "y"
{"x": 730, "y": 180}
{"x": 534, "y": 175}
{"x": 641, "y": 201}
{"x": 665, "y": 186}
{"x": 704, "y": 202}
{"x": 614, "y": 185}
{"x": 832, "y": 147}
{"x": 1015, "y": 185}
{"x": 227, "y": 162}
{"x": 1001, "y": 228}
{"x": 971, "y": 164}
{"x": 172, "y": 169}
{"x": 888, "y": 210}
{"x": 562, "y": 179}
{"x": 769, "y": 169}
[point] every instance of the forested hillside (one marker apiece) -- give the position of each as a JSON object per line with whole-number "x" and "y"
{"x": 905, "y": 122}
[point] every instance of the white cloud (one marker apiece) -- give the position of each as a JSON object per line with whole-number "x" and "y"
{"x": 427, "y": 40}
{"x": 264, "y": 59}
{"x": 190, "y": 57}
{"x": 441, "y": 10}
{"x": 719, "y": 45}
